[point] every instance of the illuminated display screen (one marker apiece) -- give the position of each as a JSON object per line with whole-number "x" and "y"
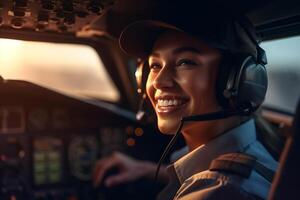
{"x": 47, "y": 167}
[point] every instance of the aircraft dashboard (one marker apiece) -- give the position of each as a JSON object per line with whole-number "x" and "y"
{"x": 49, "y": 143}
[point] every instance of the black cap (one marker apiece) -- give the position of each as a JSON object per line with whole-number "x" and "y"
{"x": 222, "y": 31}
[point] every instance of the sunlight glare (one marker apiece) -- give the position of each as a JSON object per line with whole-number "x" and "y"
{"x": 69, "y": 68}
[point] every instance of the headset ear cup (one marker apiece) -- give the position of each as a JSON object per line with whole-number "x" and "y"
{"x": 138, "y": 77}
{"x": 144, "y": 114}
{"x": 252, "y": 84}
{"x": 141, "y": 75}
{"x": 244, "y": 82}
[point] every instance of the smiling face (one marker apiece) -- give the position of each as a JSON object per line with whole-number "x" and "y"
{"x": 181, "y": 81}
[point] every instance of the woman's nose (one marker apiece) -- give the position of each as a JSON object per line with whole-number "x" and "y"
{"x": 164, "y": 79}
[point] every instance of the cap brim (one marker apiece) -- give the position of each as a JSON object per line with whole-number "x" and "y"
{"x": 137, "y": 39}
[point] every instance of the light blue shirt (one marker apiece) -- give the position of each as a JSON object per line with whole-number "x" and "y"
{"x": 197, "y": 182}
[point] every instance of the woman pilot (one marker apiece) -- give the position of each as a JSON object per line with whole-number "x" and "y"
{"x": 215, "y": 68}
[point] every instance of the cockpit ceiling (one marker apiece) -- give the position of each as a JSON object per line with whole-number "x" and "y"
{"x": 109, "y": 17}
{"x": 67, "y": 16}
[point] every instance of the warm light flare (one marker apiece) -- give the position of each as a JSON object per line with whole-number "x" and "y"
{"x": 130, "y": 142}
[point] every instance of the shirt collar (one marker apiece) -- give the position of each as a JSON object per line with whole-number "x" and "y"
{"x": 234, "y": 140}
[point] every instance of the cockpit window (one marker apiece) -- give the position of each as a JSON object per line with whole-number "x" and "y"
{"x": 284, "y": 73}
{"x": 72, "y": 69}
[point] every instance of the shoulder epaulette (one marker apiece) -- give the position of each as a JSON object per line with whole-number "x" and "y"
{"x": 240, "y": 164}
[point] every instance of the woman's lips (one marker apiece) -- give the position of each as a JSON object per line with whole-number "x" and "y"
{"x": 168, "y": 106}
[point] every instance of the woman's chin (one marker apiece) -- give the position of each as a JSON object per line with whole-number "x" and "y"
{"x": 167, "y": 129}
{"x": 168, "y": 125}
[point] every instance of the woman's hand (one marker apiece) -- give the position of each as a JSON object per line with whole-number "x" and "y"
{"x": 129, "y": 169}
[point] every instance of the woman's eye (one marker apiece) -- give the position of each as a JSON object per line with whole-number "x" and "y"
{"x": 155, "y": 66}
{"x": 186, "y": 62}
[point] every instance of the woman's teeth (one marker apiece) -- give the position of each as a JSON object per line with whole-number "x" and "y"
{"x": 171, "y": 102}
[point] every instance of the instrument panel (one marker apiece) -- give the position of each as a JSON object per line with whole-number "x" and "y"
{"x": 42, "y": 147}
{"x": 49, "y": 154}
{"x": 49, "y": 143}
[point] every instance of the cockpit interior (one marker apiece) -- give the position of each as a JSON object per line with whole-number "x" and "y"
{"x": 68, "y": 94}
